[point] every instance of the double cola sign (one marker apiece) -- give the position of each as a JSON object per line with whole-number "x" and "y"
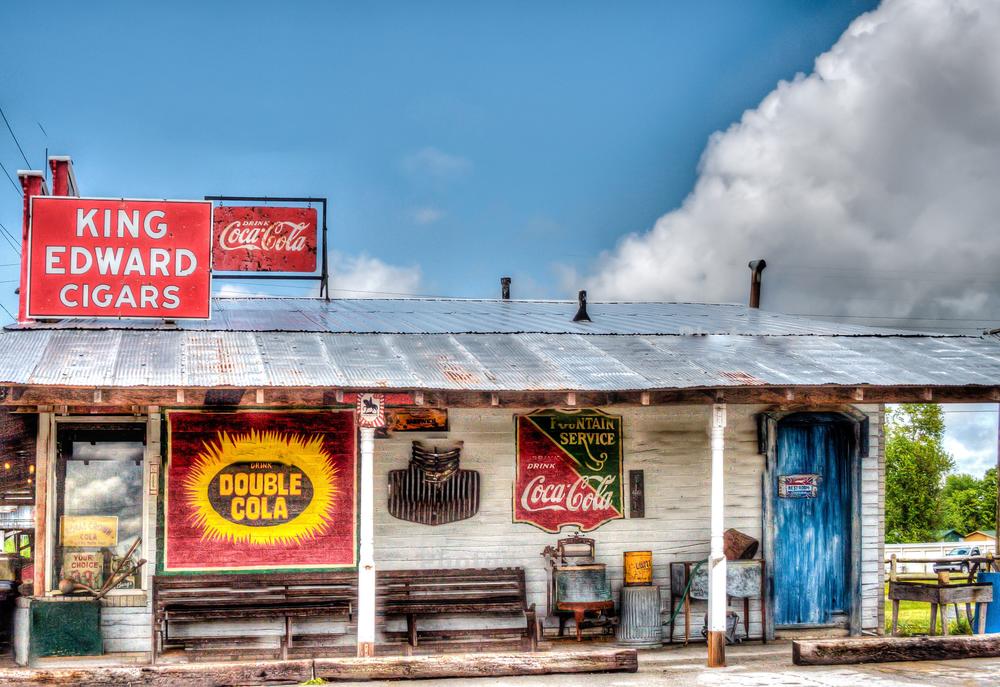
{"x": 569, "y": 469}
{"x": 264, "y": 239}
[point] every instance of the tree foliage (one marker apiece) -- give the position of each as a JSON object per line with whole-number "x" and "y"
{"x": 915, "y": 468}
{"x": 969, "y": 504}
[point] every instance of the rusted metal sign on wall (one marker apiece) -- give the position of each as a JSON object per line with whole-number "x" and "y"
{"x": 569, "y": 469}
{"x": 93, "y": 257}
{"x": 260, "y": 491}
{"x": 371, "y": 411}
{"x": 265, "y": 239}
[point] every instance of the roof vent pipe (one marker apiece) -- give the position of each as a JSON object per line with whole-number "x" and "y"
{"x": 505, "y": 288}
{"x": 756, "y": 271}
{"x": 581, "y": 313}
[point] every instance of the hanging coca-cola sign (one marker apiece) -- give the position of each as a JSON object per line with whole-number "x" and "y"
{"x": 569, "y": 469}
{"x": 264, "y": 239}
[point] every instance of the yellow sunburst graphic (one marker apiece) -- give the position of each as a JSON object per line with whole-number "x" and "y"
{"x": 286, "y": 467}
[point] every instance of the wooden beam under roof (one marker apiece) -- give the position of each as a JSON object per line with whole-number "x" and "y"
{"x": 87, "y": 399}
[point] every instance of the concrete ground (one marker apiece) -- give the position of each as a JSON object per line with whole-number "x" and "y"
{"x": 750, "y": 665}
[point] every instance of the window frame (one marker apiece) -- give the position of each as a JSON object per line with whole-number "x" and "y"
{"x": 94, "y": 423}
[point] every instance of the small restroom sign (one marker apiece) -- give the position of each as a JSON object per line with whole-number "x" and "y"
{"x": 798, "y": 486}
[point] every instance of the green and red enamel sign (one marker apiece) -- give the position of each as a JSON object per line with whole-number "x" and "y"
{"x": 569, "y": 469}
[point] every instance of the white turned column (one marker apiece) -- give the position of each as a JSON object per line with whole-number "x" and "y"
{"x": 366, "y": 562}
{"x": 717, "y": 560}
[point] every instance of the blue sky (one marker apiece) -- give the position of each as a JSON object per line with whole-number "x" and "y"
{"x": 461, "y": 141}
{"x": 469, "y": 139}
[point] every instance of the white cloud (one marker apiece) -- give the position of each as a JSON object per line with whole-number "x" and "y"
{"x": 231, "y": 290}
{"x": 434, "y": 165}
{"x": 362, "y": 276}
{"x": 351, "y": 276}
{"x": 884, "y": 163}
{"x": 971, "y": 436}
{"x": 427, "y": 214}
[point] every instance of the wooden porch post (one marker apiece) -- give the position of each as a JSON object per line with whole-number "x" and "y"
{"x": 366, "y": 562}
{"x": 716, "y": 559}
{"x": 41, "y": 552}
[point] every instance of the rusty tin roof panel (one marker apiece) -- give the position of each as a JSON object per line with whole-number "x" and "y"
{"x": 457, "y": 316}
{"x": 488, "y": 362}
{"x": 299, "y": 360}
{"x": 582, "y": 364}
{"x": 369, "y": 360}
{"x": 21, "y": 354}
{"x": 222, "y": 359}
{"x": 148, "y": 358}
{"x": 513, "y": 362}
{"x": 439, "y": 361}
{"x": 72, "y": 360}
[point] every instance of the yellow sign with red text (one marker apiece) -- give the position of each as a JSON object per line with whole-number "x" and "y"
{"x": 88, "y": 530}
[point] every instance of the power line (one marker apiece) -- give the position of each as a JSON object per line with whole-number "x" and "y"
{"x": 904, "y": 280}
{"x": 11, "y": 179}
{"x": 389, "y": 293}
{"x": 16, "y": 142}
{"x": 7, "y": 311}
{"x": 910, "y": 319}
{"x": 799, "y": 267}
{"x": 9, "y": 238}
{"x": 376, "y": 293}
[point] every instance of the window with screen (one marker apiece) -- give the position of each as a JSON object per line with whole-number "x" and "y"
{"x": 98, "y": 502}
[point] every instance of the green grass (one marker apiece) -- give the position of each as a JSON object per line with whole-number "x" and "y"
{"x": 915, "y": 618}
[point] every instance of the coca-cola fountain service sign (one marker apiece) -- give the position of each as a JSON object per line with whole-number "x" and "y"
{"x": 569, "y": 469}
{"x": 264, "y": 239}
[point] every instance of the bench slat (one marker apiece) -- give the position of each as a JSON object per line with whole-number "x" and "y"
{"x": 411, "y": 593}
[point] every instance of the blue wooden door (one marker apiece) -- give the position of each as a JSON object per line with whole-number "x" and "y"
{"x": 812, "y": 533}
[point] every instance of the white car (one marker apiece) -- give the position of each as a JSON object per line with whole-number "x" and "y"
{"x": 958, "y": 566}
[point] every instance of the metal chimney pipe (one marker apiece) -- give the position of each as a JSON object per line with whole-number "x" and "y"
{"x": 581, "y": 313}
{"x": 505, "y": 288}
{"x": 756, "y": 270}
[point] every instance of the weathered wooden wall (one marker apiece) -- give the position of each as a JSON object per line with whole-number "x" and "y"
{"x": 671, "y": 444}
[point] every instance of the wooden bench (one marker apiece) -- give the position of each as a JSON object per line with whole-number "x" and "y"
{"x": 416, "y": 594}
{"x": 206, "y": 598}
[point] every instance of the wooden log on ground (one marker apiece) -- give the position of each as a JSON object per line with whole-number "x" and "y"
{"x": 298, "y": 671}
{"x": 227, "y": 674}
{"x": 828, "y": 652}
{"x": 177, "y": 675}
{"x": 99, "y": 677}
{"x": 476, "y": 665}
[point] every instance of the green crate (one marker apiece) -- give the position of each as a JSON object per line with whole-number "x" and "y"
{"x": 65, "y": 628}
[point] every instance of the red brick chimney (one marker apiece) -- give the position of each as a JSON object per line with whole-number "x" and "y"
{"x": 32, "y": 184}
{"x": 63, "y": 178}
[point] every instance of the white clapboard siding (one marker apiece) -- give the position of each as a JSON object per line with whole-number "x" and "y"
{"x": 670, "y": 443}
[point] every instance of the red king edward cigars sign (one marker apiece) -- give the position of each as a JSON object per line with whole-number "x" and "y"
{"x": 264, "y": 239}
{"x": 260, "y": 490}
{"x": 119, "y": 258}
{"x": 569, "y": 469}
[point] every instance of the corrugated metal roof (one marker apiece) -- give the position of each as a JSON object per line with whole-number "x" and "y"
{"x": 456, "y": 316}
{"x": 486, "y": 345}
{"x": 489, "y": 362}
